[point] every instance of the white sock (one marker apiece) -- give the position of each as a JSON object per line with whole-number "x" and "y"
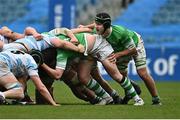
{"x": 2, "y": 94}
{"x": 136, "y": 97}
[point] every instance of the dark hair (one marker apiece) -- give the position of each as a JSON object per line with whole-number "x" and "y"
{"x": 103, "y": 18}
{"x": 37, "y": 56}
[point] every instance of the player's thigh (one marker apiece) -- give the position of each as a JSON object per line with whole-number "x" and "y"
{"x": 122, "y": 64}
{"x": 6, "y": 76}
{"x": 7, "y": 80}
{"x": 112, "y": 69}
{"x": 140, "y": 57}
{"x": 84, "y": 70}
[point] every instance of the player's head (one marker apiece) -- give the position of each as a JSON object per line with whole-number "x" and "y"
{"x": 103, "y": 19}
{"x": 37, "y": 56}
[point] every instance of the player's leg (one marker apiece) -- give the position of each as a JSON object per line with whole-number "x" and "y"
{"x": 102, "y": 52}
{"x": 150, "y": 84}
{"x": 27, "y": 99}
{"x": 84, "y": 70}
{"x": 122, "y": 65}
{"x": 95, "y": 73}
{"x": 140, "y": 62}
{"x": 113, "y": 71}
{"x": 14, "y": 89}
{"x": 78, "y": 89}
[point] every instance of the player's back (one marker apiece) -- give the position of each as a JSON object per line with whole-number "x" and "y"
{"x": 18, "y": 62}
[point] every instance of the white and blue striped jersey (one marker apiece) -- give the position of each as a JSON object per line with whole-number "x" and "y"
{"x": 20, "y": 64}
{"x": 31, "y": 43}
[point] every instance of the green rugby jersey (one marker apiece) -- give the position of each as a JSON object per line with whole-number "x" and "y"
{"x": 62, "y": 54}
{"x": 80, "y": 37}
{"x": 120, "y": 38}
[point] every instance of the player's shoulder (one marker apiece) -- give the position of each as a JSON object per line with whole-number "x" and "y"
{"x": 118, "y": 27}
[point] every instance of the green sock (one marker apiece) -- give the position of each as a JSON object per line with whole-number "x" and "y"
{"x": 99, "y": 91}
{"x": 97, "y": 98}
{"x": 114, "y": 93}
{"x": 155, "y": 99}
{"x": 126, "y": 84}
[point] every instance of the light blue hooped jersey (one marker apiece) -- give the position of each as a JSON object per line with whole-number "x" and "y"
{"x": 21, "y": 64}
{"x": 31, "y": 43}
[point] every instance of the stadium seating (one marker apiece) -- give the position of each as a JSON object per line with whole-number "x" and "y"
{"x": 87, "y": 9}
{"x": 25, "y": 13}
{"x": 157, "y": 21}
{"x": 18, "y": 14}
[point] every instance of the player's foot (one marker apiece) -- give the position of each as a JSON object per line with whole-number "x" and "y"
{"x": 105, "y": 101}
{"x": 2, "y": 100}
{"x": 156, "y": 101}
{"x": 139, "y": 102}
{"x": 26, "y": 101}
{"x": 95, "y": 100}
{"x": 126, "y": 99}
{"x": 117, "y": 100}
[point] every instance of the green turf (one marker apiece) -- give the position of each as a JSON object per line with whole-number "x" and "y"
{"x": 71, "y": 107}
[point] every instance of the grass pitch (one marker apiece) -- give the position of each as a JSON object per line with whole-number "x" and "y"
{"x": 73, "y": 108}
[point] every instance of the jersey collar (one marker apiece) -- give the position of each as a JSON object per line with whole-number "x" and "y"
{"x": 109, "y": 32}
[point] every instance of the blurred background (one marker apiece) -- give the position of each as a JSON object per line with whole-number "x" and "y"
{"x": 158, "y": 22}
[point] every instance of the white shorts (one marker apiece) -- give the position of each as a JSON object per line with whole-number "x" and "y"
{"x": 139, "y": 58}
{"x": 4, "y": 70}
{"x": 101, "y": 49}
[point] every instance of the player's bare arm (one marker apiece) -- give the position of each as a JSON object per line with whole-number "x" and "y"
{"x": 91, "y": 26}
{"x": 53, "y": 73}
{"x": 125, "y": 52}
{"x": 43, "y": 90}
{"x": 32, "y": 31}
{"x": 7, "y": 32}
{"x": 67, "y": 45}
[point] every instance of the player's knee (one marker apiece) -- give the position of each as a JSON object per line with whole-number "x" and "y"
{"x": 83, "y": 79}
{"x": 143, "y": 74}
{"x": 18, "y": 89}
{"x": 124, "y": 73}
{"x": 20, "y": 94}
{"x": 117, "y": 76}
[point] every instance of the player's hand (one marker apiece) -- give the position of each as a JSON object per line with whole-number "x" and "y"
{"x": 112, "y": 58}
{"x": 74, "y": 41}
{"x": 80, "y": 26}
{"x": 5, "y": 31}
{"x": 56, "y": 105}
{"x": 38, "y": 36}
{"x": 81, "y": 48}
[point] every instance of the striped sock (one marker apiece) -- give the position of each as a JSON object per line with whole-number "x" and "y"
{"x": 126, "y": 84}
{"x": 114, "y": 93}
{"x": 99, "y": 91}
{"x": 97, "y": 98}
